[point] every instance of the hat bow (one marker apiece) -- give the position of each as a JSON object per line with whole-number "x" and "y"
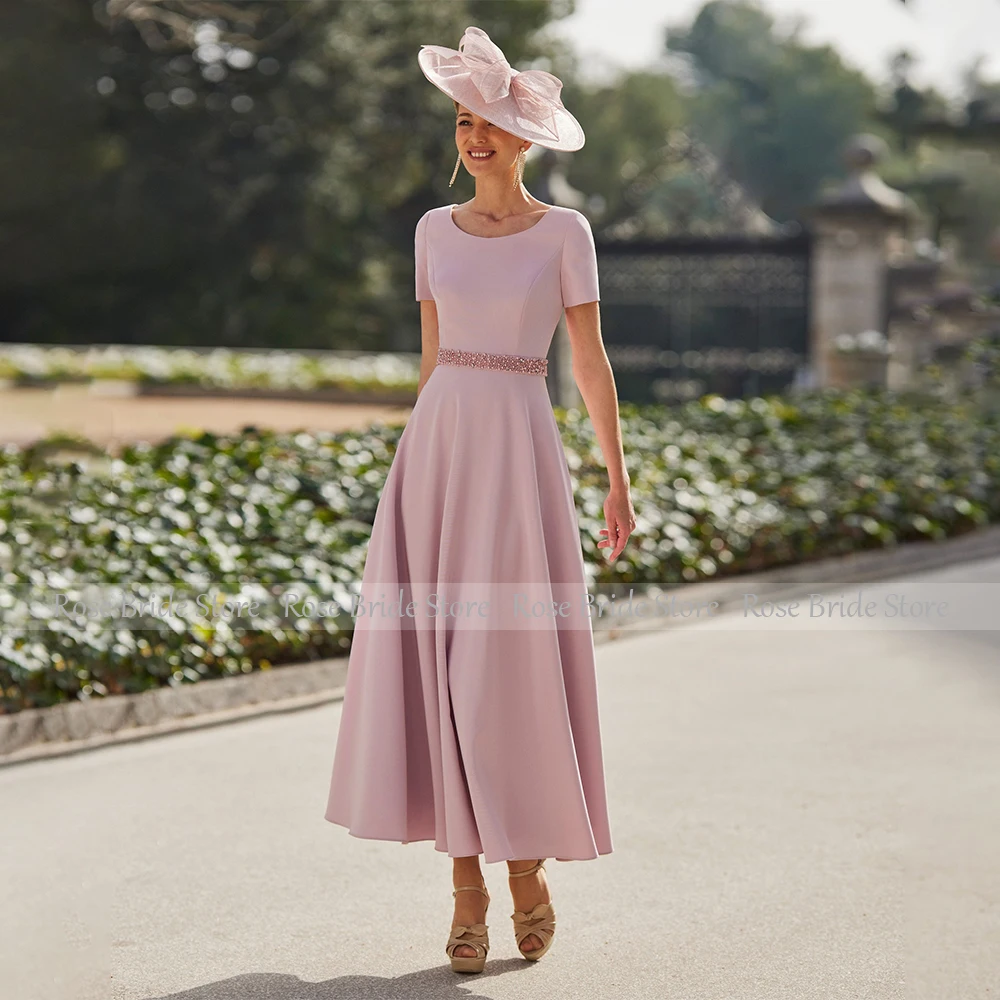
{"x": 535, "y": 91}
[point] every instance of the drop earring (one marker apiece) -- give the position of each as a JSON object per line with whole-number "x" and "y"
{"x": 454, "y": 173}
{"x": 519, "y": 168}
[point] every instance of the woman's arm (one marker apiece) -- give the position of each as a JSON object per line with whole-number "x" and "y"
{"x": 428, "y": 340}
{"x": 593, "y": 375}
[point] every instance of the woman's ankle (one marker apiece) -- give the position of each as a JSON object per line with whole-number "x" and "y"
{"x": 523, "y": 867}
{"x": 466, "y": 871}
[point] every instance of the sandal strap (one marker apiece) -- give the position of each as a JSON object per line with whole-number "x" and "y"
{"x": 476, "y": 936}
{"x": 528, "y": 871}
{"x": 540, "y": 920}
{"x": 478, "y": 888}
{"x": 480, "y": 949}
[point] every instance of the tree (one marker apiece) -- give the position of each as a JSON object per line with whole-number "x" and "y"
{"x": 209, "y": 172}
{"x": 947, "y": 163}
{"x": 629, "y": 125}
{"x": 776, "y": 111}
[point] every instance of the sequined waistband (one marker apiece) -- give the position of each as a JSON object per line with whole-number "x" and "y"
{"x": 495, "y": 362}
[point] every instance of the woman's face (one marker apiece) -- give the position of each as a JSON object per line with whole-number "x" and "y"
{"x": 497, "y": 150}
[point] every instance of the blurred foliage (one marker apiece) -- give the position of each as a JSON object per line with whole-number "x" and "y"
{"x": 224, "y": 173}
{"x": 969, "y": 209}
{"x": 775, "y": 110}
{"x": 251, "y": 516}
{"x": 983, "y": 354}
{"x": 627, "y": 157}
{"x": 948, "y": 160}
{"x": 219, "y": 369}
{"x": 907, "y": 105}
{"x": 720, "y": 487}
{"x": 731, "y": 486}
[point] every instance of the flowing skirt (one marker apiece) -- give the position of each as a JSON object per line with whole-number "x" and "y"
{"x": 478, "y": 732}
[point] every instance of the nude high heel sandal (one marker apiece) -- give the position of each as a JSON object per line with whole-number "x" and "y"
{"x": 475, "y": 935}
{"x": 540, "y": 921}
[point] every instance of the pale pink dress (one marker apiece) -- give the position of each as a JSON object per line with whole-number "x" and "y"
{"x": 482, "y": 741}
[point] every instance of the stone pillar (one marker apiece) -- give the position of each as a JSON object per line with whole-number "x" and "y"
{"x": 911, "y": 330}
{"x": 857, "y": 230}
{"x": 912, "y": 341}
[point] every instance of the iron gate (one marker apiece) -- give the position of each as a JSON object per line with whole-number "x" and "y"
{"x": 684, "y": 317}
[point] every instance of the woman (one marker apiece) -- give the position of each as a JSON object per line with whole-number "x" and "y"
{"x": 481, "y": 731}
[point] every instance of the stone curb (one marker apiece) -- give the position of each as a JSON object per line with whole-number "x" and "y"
{"x": 86, "y": 725}
{"x": 76, "y": 726}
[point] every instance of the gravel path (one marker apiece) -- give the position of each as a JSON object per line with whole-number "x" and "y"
{"x": 28, "y": 414}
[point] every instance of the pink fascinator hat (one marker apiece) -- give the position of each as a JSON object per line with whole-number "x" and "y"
{"x": 526, "y": 104}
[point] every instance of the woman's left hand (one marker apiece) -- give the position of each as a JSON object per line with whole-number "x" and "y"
{"x": 620, "y": 516}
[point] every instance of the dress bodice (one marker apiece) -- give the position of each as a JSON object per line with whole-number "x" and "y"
{"x": 504, "y": 294}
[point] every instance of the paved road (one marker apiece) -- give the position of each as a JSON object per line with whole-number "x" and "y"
{"x": 796, "y": 815}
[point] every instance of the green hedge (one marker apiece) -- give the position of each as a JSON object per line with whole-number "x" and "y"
{"x": 221, "y": 369}
{"x": 720, "y": 487}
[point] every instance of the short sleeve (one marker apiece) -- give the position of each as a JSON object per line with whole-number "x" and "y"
{"x": 422, "y": 279}
{"x": 579, "y": 263}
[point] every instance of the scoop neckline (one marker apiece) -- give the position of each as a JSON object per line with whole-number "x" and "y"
{"x": 508, "y": 236}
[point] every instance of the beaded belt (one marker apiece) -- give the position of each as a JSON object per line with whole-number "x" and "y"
{"x": 495, "y": 362}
